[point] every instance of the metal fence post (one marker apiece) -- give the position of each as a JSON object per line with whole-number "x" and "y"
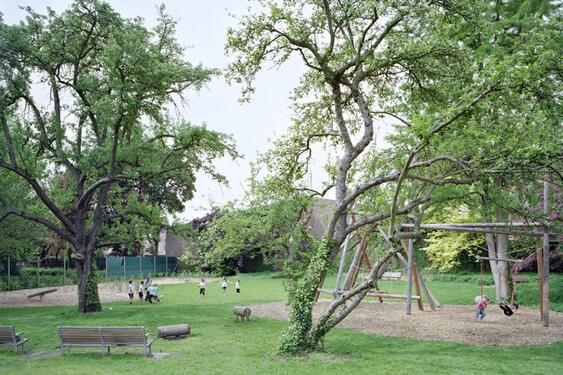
{"x": 140, "y": 266}
{"x": 9, "y": 272}
{"x": 166, "y": 266}
{"x": 106, "y": 258}
{"x": 38, "y": 265}
{"x": 154, "y": 265}
{"x": 124, "y": 267}
{"x": 64, "y": 270}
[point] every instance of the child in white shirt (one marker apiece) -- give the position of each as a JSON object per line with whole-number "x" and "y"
{"x": 130, "y": 291}
{"x": 202, "y": 287}
{"x": 237, "y": 286}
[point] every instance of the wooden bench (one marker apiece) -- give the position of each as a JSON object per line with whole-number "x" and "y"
{"x": 42, "y": 293}
{"x": 391, "y": 276}
{"x": 9, "y": 336}
{"x": 104, "y": 337}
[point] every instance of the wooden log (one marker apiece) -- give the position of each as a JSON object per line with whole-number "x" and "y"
{"x": 176, "y": 331}
{"x": 242, "y": 312}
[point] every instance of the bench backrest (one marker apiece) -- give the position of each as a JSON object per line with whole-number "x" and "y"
{"x": 80, "y": 335}
{"x": 7, "y": 334}
{"x": 124, "y": 335}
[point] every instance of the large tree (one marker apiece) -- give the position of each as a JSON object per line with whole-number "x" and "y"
{"x": 429, "y": 66}
{"x": 103, "y": 144}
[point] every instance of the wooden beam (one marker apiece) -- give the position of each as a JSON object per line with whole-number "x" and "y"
{"x": 342, "y": 262}
{"x": 501, "y": 260}
{"x": 410, "y": 256}
{"x": 390, "y": 295}
{"x": 478, "y": 225}
{"x": 545, "y": 262}
{"x": 459, "y": 228}
{"x": 417, "y": 286}
{"x": 539, "y": 266}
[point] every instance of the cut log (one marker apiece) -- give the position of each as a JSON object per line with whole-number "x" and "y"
{"x": 391, "y": 276}
{"x": 176, "y": 331}
{"x": 242, "y": 312}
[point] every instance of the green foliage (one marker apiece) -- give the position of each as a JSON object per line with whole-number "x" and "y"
{"x": 92, "y": 300}
{"x": 274, "y": 230}
{"x": 443, "y": 249}
{"x": 295, "y": 338}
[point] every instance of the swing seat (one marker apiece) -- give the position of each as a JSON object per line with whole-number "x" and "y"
{"x": 520, "y": 278}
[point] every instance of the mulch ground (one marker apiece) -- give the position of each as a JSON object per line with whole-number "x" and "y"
{"x": 448, "y": 323}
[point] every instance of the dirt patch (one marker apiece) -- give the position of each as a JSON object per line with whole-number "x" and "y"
{"x": 448, "y": 323}
{"x": 67, "y": 295}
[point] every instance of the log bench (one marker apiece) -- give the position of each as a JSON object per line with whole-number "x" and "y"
{"x": 242, "y": 312}
{"x": 177, "y": 331}
{"x": 104, "y": 338}
{"x": 42, "y": 293}
{"x": 9, "y": 336}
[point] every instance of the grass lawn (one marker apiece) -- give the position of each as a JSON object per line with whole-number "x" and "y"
{"x": 218, "y": 345}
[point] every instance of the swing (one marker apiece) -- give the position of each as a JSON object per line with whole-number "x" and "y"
{"x": 509, "y": 310}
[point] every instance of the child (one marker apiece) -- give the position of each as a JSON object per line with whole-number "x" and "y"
{"x": 224, "y": 284}
{"x": 148, "y": 283}
{"x": 153, "y": 292}
{"x": 237, "y": 286}
{"x": 141, "y": 290}
{"x": 130, "y": 291}
{"x": 482, "y": 303}
{"x": 202, "y": 287}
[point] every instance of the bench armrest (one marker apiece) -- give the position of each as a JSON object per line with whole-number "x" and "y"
{"x": 19, "y": 333}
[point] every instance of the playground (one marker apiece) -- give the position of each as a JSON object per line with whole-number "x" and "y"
{"x": 453, "y": 323}
{"x": 375, "y": 338}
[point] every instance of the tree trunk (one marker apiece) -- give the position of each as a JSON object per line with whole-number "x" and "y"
{"x": 295, "y": 339}
{"x": 492, "y": 247}
{"x": 88, "y": 298}
{"x": 502, "y": 253}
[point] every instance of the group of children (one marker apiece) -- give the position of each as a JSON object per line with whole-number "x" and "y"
{"x": 223, "y": 283}
{"x": 146, "y": 289}
{"x": 149, "y": 291}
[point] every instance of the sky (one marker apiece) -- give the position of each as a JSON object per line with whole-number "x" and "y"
{"x": 201, "y": 29}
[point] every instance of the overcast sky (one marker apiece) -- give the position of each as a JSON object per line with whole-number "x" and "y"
{"x": 201, "y": 28}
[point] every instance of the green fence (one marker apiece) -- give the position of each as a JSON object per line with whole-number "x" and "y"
{"x": 140, "y": 266}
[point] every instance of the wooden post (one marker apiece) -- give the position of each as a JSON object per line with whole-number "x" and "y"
{"x": 342, "y": 262}
{"x": 351, "y": 269}
{"x": 9, "y": 273}
{"x": 409, "y": 276}
{"x": 539, "y": 266}
{"x": 545, "y": 263}
{"x": 38, "y": 265}
{"x": 417, "y": 286}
